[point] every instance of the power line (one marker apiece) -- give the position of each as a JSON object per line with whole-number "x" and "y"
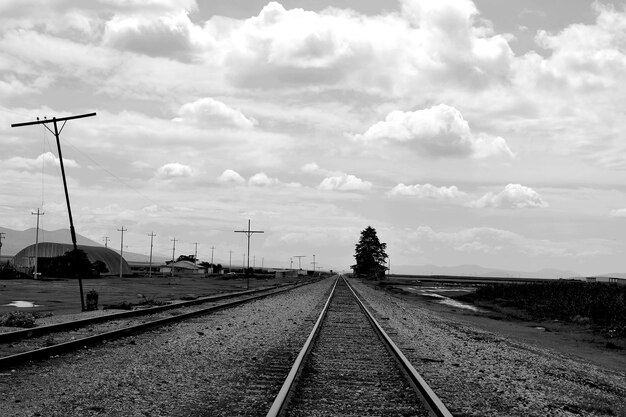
{"x": 121, "y": 248}
{"x": 57, "y": 133}
{"x": 248, "y": 233}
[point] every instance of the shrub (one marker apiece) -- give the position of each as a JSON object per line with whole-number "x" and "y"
{"x": 18, "y": 319}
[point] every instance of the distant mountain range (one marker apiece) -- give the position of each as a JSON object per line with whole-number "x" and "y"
{"x": 479, "y": 271}
{"x": 16, "y": 240}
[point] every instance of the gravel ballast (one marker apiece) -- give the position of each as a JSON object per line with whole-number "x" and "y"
{"x": 478, "y": 373}
{"x": 206, "y": 366}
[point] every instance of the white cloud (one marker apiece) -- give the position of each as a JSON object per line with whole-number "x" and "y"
{"x": 344, "y": 182}
{"x": 174, "y": 170}
{"x": 262, "y": 180}
{"x": 439, "y": 131}
{"x": 427, "y": 191}
{"x": 208, "y": 111}
{"x": 618, "y": 212}
{"x": 18, "y": 162}
{"x": 514, "y": 196}
{"x": 385, "y": 54}
{"x": 230, "y": 176}
{"x": 171, "y": 35}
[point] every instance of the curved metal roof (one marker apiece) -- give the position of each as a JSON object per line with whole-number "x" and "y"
{"x": 51, "y": 250}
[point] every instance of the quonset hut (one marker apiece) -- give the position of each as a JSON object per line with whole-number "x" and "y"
{"x": 24, "y": 261}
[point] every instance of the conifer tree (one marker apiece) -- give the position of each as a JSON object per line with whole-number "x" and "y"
{"x": 370, "y": 255}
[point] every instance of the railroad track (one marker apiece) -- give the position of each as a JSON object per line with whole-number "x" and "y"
{"x": 350, "y": 366}
{"x": 41, "y": 342}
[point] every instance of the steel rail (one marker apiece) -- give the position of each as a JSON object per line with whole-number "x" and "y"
{"x": 48, "y": 351}
{"x": 281, "y": 400}
{"x": 435, "y": 405}
{"x": 75, "y": 324}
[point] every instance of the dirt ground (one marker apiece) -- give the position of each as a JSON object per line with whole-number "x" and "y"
{"x": 63, "y": 296}
{"x": 567, "y": 338}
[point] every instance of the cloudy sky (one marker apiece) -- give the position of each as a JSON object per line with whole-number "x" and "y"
{"x": 483, "y": 132}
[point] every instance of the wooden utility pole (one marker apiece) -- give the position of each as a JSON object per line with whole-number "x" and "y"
{"x": 1, "y": 237}
{"x": 152, "y": 235}
{"x": 173, "y": 250}
{"x": 249, "y": 233}
{"x": 299, "y": 259}
{"x": 195, "y": 254}
{"x": 37, "y": 240}
{"x": 106, "y": 241}
{"x": 230, "y": 261}
{"x": 313, "y": 263}
{"x": 212, "y": 249}
{"x": 121, "y": 248}
{"x": 56, "y": 134}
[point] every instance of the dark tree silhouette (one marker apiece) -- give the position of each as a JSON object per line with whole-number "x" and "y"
{"x": 370, "y": 255}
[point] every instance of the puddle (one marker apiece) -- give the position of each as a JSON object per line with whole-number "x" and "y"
{"x": 444, "y": 300}
{"x": 22, "y": 304}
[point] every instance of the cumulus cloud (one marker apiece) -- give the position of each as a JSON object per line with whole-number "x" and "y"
{"x": 208, "y": 111}
{"x": 514, "y": 196}
{"x": 439, "y": 131}
{"x": 344, "y": 182}
{"x": 427, "y": 191}
{"x": 47, "y": 158}
{"x": 262, "y": 180}
{"x": 230, "y": 176}
{"x": 172, "y": 35}
{"x": 618, "y": 212}
{"x": 174, "y": 170}
{"x": 383, "y": 54}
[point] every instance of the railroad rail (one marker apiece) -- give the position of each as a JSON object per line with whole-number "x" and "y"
{"x": 41, "y": 342}
{"x": 349, "y": 365}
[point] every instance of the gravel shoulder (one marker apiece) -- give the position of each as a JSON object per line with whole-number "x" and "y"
{"x": 477, "y": 372}
{"x": 205, "y": 367}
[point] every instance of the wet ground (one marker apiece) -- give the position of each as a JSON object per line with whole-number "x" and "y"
{"x": 566, "y": 338}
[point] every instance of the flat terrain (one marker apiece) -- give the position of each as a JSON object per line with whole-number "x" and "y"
{"x": 570, "y": 339}
{"x": 61, "y": 297}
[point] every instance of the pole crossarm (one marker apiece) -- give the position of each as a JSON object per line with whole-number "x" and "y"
{"x": 249, "y": 233}
{"x": 58, "y": 119}
{"x": 57, "y": 133}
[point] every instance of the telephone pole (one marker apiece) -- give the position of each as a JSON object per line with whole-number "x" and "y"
{"x": 230, "y": 261}
{"x": 313, "y": 263}
{"x": 106, "y": 241}
{"x": 152, "y": 235}
{"x": 56, "y": 134}
{"x": 299, "y": 259}
{"x": 1, "y": 237}
{"x": 249, "y": 233}
{"x": 37, "y": 240}
{"x": 121, "y": 248}
{"x": 173, "y": 252}
{"x": 212, "y": 248}
{"x": 195, "y": 254}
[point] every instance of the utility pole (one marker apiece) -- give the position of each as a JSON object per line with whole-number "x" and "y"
{"x": 106, "y": 241}
{"x": 121, "y": 248}
{"x": 37, "y": 240}
{"x": 173, "y": 252}
{"x": 56, "y": 134}
{"x": 152, "y": 235}
{"x": 249, "y": 233}
{"x": 212, "y": 248}
{"x": 195, "y": 254}
{"x": 299, "y": 259}
{"x": 1, "y": 237}
{"x": 230, "y": 261}
{"x": 313, "y": 264}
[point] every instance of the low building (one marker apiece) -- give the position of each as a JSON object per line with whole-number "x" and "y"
{"x": 24, "y": 260}
{"x": 184, "y": 267}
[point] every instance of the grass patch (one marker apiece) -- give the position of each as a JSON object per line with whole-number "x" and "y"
{"x": 600, "y": 305}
